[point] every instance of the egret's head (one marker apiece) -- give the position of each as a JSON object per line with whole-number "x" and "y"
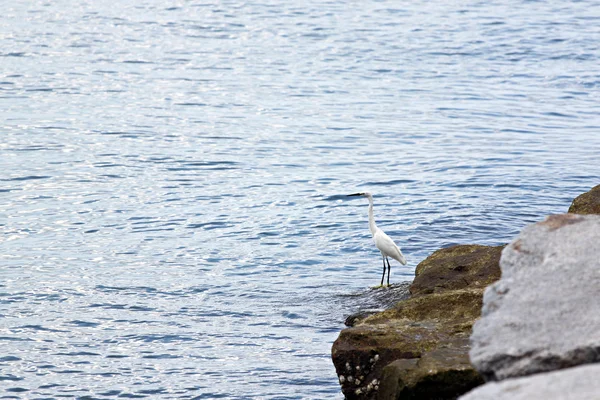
{"x": 361, "y": 194}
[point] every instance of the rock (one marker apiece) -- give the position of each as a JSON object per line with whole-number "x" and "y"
{"x": 408, "y": 332}
{"x": 568, "y": 384}
{"x": 587, "y": 203}
{"x": 543, "y": 313}
{"x": 438, "y": 374}
{"x": 457, "y": 267}
{"x": 421, "y": 344}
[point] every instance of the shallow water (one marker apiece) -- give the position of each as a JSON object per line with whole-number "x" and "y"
{"x": 172, "y": 202}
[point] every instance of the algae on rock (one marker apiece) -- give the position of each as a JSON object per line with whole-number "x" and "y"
{"x": 456, "y": 267}
{"x": 587, "y": 203}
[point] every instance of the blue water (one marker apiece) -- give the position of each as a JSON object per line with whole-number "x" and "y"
{"x": 172, "y": 175}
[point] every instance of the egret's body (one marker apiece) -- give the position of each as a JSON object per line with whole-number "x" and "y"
{"x": 383, "y": 242}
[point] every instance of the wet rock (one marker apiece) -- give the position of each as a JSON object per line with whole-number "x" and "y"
{"x": 376, "y": 300}
{"x": 568, "y": 384}
{"x": 587, "y": 203}
{"x": 543, "y": 314}
{"x": 420, "y": 345}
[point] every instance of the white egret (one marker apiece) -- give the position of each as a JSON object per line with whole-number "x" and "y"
{"x": 384, "y": 243}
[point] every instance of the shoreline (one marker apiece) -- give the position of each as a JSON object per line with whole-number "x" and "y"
{"x": 420, "y": 347}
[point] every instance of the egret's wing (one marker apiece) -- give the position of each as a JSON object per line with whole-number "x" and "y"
{"x": 386, "y": 245}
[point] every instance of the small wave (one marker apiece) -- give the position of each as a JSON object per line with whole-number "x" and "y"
{"x": 14, "y": 54}
{"x": 27, "y": 178}
{"x": 388, "y": 183}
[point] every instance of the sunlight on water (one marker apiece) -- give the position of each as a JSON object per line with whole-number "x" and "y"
{"x": 172, "y": 197}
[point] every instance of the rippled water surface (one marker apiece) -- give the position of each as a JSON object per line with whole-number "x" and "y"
{"x": 172, "y": 175}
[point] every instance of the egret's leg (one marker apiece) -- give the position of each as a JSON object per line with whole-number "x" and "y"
{"x": 383, "y": 276}
{"x": 388, "y": 262}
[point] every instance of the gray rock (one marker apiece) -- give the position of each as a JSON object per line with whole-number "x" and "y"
{"x": 576, "y": 383}
{"x": 543, "y": 314}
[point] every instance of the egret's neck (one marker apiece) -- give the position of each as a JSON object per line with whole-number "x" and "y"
{"x": 372, "y": 226}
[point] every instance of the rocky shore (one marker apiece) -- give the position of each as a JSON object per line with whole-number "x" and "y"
{"x": 539, "y": 322}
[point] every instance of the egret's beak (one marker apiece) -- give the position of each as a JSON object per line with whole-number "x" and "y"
{"x": 355, "y": 194}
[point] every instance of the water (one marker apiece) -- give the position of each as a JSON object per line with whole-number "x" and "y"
{"x": 172, "y": 215}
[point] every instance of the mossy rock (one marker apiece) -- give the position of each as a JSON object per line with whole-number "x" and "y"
{"x": 587, "y": 203}
{"x": 443, "y": 373}
{"x": 457, "y": 267}
{"x": 419, "y": 348}
{"x": 447, "y": 308}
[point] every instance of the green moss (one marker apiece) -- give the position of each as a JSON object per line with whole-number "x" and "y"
{"x": 455, "y": 305}
{"x": 587, "y": 203}
{"x": 457, "y": 267}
